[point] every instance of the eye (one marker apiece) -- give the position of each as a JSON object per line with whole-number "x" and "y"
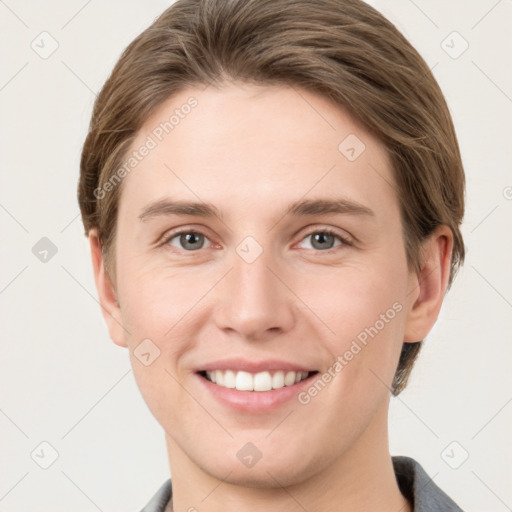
{"x": 186, "y": 240}
{"x": 324, "y": 239}
{"x": 191, "y": 241}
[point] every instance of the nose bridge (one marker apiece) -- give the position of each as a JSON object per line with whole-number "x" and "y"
{"x": 253, "y": 300}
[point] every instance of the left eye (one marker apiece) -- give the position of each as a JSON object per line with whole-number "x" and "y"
{"x": 189, "y": 240}
{"x": 324, "y": 239}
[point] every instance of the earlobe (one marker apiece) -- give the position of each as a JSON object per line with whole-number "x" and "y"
{"x": 106, "y": 293}
{"x": 428, "y": 286}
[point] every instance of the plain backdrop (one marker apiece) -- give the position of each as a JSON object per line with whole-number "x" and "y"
{"x": 68, "y": 393}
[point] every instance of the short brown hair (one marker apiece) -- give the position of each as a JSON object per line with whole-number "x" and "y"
{"x": 344, "y": 50}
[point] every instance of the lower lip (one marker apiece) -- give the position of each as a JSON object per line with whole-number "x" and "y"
{"x": 255, "y": 401}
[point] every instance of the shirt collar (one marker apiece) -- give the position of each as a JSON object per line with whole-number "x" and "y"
{"x": 419, "y": 488}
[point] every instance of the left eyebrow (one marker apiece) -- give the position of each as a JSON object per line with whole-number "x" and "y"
{"x": 302, "y": 208}
{"x": 326, "y": 206}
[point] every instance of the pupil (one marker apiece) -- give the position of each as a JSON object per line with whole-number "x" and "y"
{"x": 321, "y": 237}
{"x": 189, "y": 239}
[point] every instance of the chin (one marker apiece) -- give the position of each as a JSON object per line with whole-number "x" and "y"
{"x": 281, "y": 471}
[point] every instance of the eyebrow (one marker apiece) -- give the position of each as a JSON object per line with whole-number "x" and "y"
{"x": 302, "y": 208}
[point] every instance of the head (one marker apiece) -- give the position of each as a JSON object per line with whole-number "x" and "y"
{"x": 246, "y": 107}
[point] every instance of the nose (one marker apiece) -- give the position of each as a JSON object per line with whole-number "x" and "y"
{"x": 253, "y": 300}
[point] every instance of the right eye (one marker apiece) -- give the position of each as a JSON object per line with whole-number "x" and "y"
{"x": 186, "y": 240}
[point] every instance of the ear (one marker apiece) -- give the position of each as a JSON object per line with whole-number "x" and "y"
{"x": 428, "y": 286}
{"x": 106, "y": 293}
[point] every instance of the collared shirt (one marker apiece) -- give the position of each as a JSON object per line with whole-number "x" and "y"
{"x": 413, "y": 481}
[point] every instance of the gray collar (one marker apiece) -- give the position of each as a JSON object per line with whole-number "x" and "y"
{"x": 419, "y": 488}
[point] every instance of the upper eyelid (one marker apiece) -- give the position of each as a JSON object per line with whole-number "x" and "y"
{"x": 345, "y": 239}
{"x": 169, "y": 235}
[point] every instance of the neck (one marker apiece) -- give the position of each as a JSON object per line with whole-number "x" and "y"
{"x": 360, "y": 479}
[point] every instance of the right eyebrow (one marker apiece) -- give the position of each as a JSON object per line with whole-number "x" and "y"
{"x": 167, "y": 207}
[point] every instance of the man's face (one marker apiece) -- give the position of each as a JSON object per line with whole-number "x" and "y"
{"x": 260, "y": 285}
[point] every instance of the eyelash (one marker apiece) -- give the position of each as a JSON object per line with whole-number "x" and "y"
{"x": 327, "y": 231}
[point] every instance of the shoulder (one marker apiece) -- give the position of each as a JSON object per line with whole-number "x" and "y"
{"x": 420, "y": 489}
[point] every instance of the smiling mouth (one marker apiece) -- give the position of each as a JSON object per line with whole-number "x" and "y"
{"x": 259, "y": 382}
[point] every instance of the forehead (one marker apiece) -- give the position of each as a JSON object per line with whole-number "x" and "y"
{"x": 246, "y": 144}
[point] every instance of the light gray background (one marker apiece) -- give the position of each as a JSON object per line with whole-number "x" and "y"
{"x": 62, "y": 381}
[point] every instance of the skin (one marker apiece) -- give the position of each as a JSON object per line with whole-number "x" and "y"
{"x": 252, "y": 150}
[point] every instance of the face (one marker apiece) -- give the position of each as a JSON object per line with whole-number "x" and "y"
{"x": 292, "y": 259}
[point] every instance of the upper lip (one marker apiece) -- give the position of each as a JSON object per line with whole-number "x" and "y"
{"x": 239, "y": 364}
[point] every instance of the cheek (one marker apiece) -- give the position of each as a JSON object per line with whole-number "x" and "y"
{"x": 162, "y": 389}
{"x": 365, "y": 312}
{"x": 157, "y": 310}
{"x": 162, "y": 310}
{"x": 158, "y": 301}
{"x": 355, "y": 298}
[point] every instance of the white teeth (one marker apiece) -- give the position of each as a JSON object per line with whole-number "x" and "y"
{"x": 289, "y": 379}
{"x": 229, "y": 379}
{"x": 244, "y": 381}
{"x": 262, "y": 381}
{"x": 278, "y": 380}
